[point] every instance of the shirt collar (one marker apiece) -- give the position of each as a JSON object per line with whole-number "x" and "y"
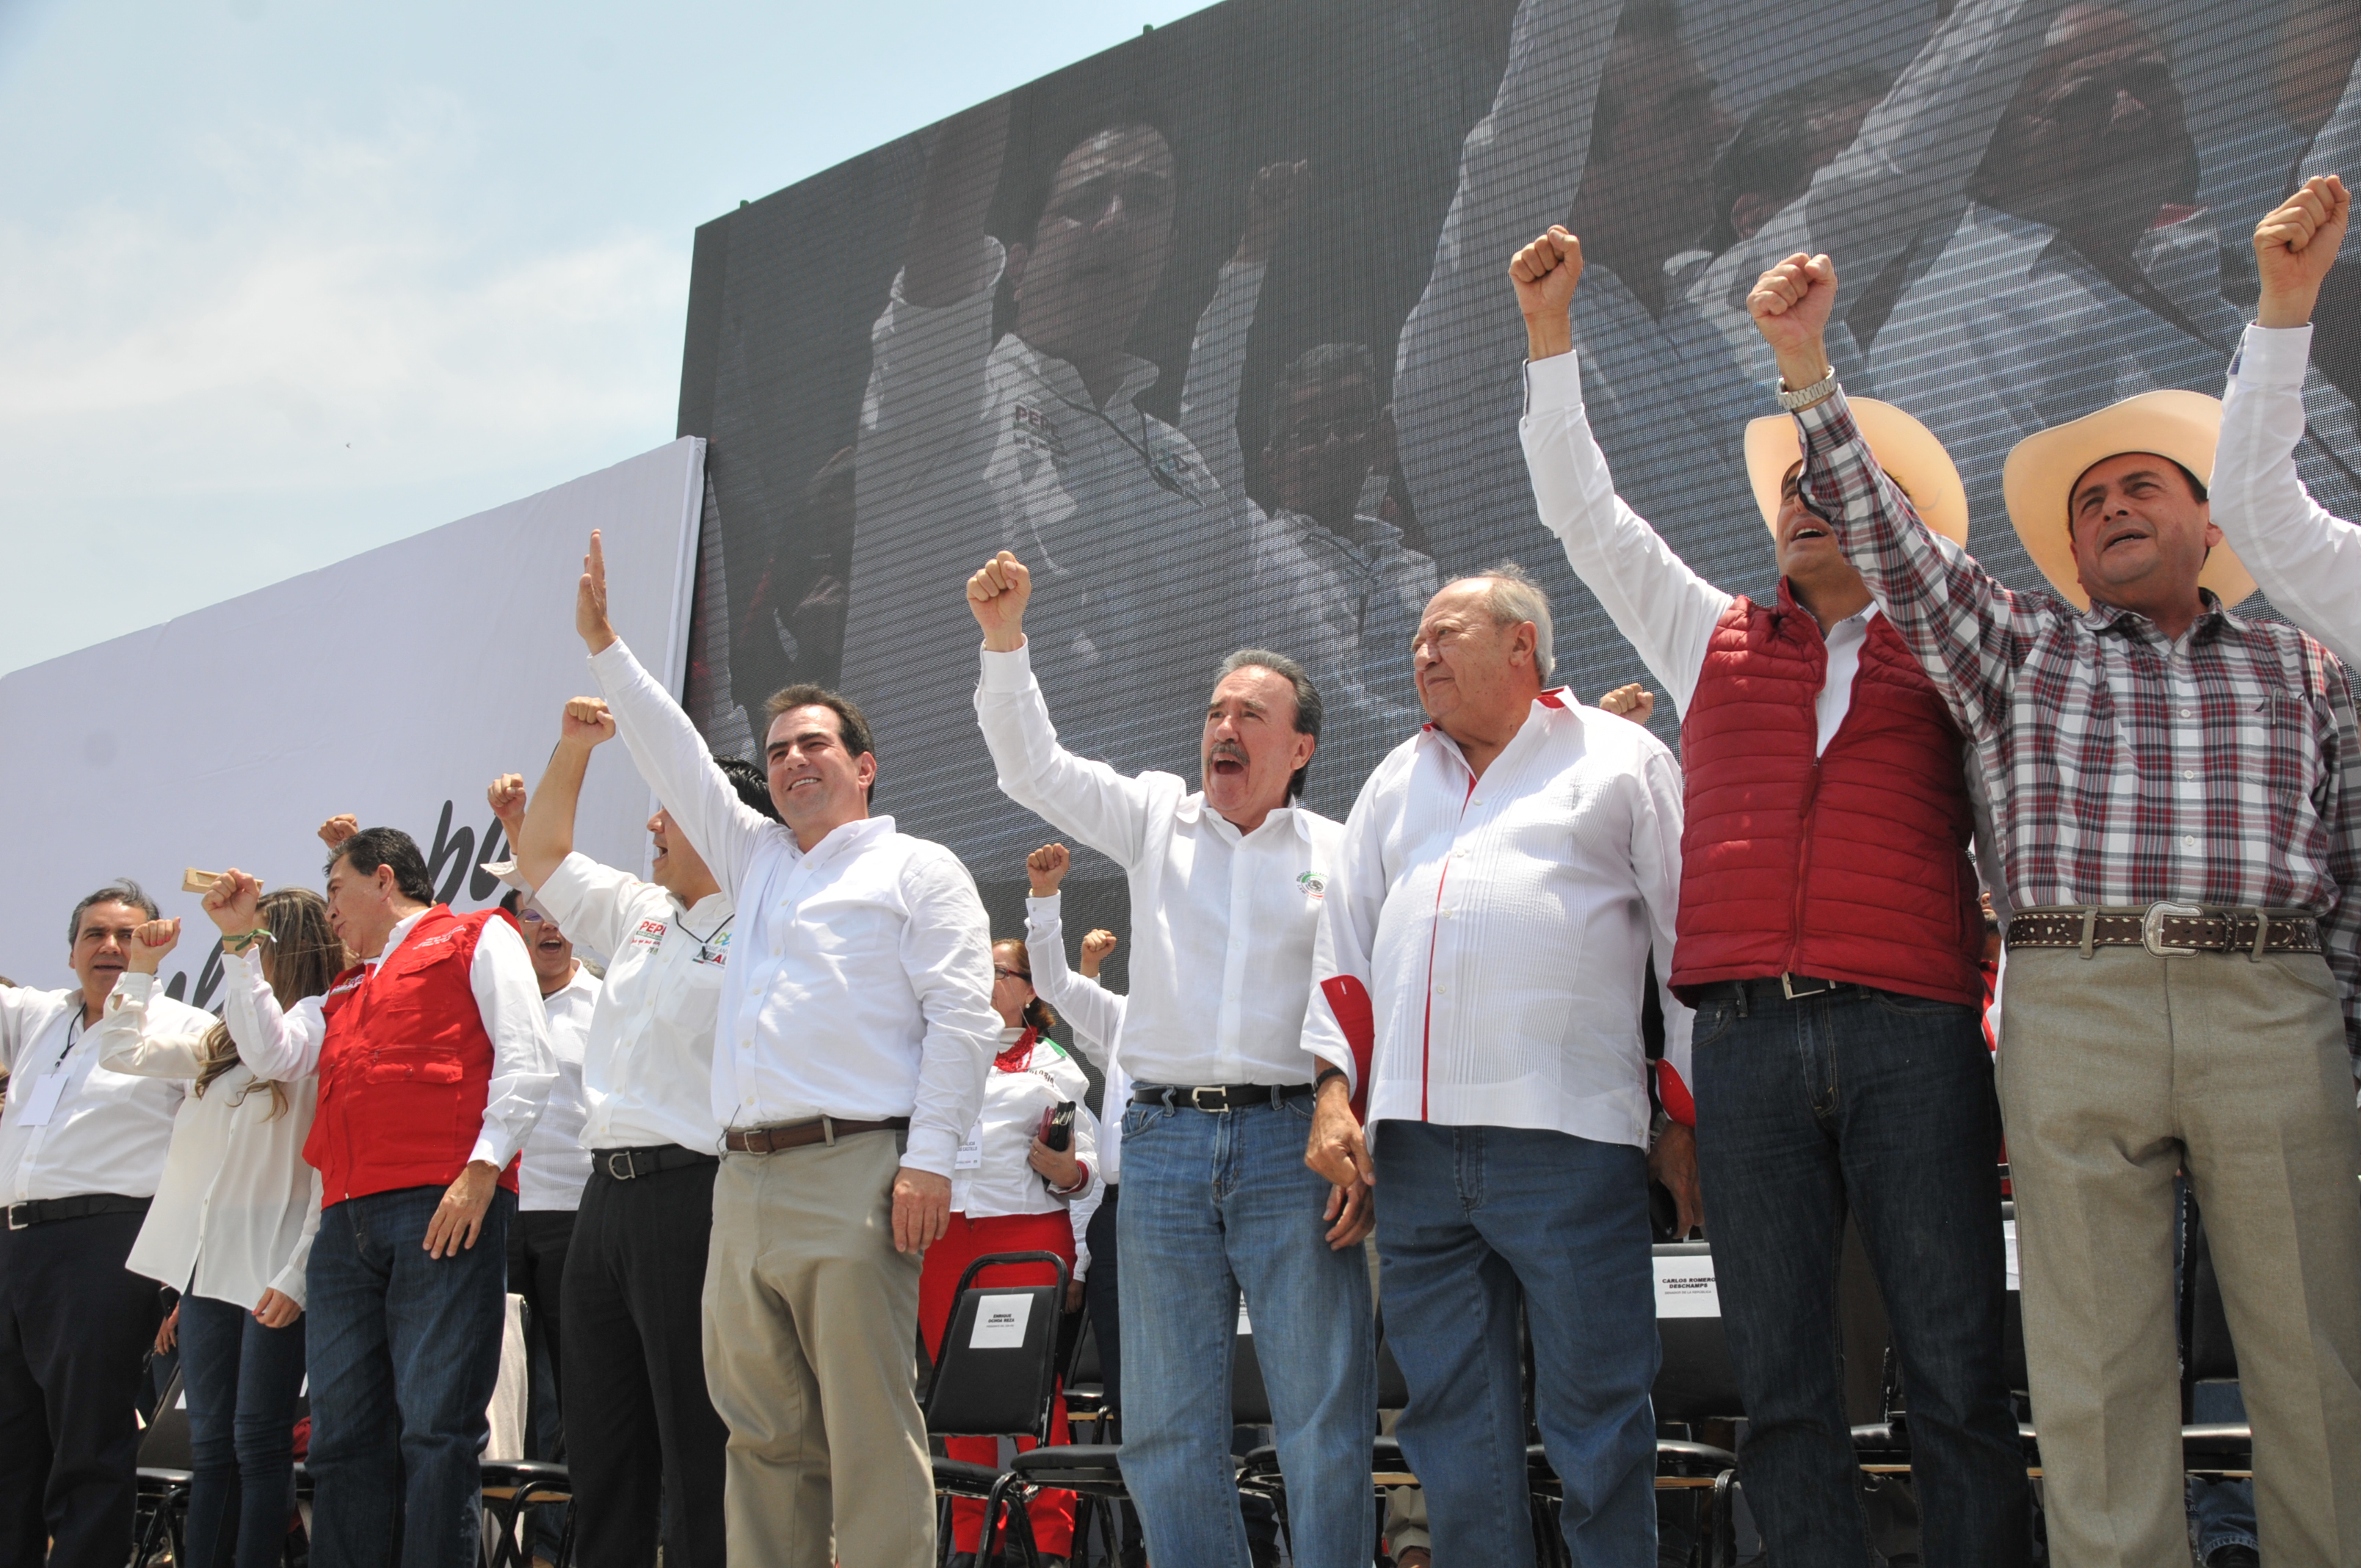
{"x": 401, "y": 932}
{"x": 844, "y": 839}
{"x": 1192, "y": 809}
{"x": 1065, "y": 382}
{"x": 2211, "y": 622}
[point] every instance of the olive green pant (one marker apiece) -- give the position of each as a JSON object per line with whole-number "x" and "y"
{"x": 2116, "y": 1071}
{"x": 811, "y": 1329}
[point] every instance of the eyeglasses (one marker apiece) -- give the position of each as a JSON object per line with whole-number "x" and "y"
{"x": 1023, "y": 974}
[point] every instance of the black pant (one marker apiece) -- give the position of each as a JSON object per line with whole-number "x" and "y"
{"x": 635, "y": 1398}
{"x": 74, "y": 1326}
{"x": 1099, "y": 1296}
{"x": 537, "y": 1245}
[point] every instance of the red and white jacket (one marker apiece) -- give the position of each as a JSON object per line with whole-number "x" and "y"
{"x": 1484, "y": 942}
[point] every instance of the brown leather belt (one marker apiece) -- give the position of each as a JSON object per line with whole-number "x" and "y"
{"x": 798, "y": 1134}
{"x": 2169, "y": 929}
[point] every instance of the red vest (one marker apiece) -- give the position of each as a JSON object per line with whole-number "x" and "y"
{"x": 406, "y": 1067}
{"x": 1851, "y": 866}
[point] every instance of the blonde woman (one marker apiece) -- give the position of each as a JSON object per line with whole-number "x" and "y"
{"x": 231, "y": 1229}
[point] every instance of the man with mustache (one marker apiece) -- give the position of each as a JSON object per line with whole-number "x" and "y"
{"x": 1829, "y": 938}
{"x": 1227, "y": 884}
{"x": 2178, "y": 801}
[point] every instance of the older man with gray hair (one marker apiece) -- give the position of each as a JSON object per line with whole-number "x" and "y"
{"x": 1483, "y": 945}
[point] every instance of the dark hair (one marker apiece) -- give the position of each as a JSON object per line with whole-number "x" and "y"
{"x": 370, "y": 848}
{"x": 851, "y": 723}
{"x": 1644, "y": 21}
{"x": 2196, "y": 485}
{"x": 122, "y": 890}
{"x": 1319, "y": 367}
{"x": 513, "y": 902}
{"x": 747, "y": 779}
{"x": 1039, "y": 1017}
{"x": 1772, "y": 153}
{"x": 301, "y": 957}
{"x": 1309, "y": 708}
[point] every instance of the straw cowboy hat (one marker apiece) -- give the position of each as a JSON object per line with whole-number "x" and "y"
{"x": 1905, "y": 449}
{"x": 2042, "y": 470}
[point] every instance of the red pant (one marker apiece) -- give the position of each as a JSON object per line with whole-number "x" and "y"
{"x": 1052, "y": 1513}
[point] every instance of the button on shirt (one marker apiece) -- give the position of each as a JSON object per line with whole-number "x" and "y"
{"x": 286, "y": 1044}
{"x": 103, "y": 1131}
{"x": 1501, "y": 926}
{"x": 2222, "y": 767}
{"x": 647, "y": 1064}
{"x": 860, "y": 984}
{"x": 556, "y": 1167}
{"x": 1222, "y": 922}
{"x": 1091, "y": 1012}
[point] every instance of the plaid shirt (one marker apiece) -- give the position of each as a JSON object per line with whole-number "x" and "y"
{"x": 2217, "y": 768}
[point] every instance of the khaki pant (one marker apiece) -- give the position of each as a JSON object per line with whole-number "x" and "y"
{"x": 811, "y": 1324}
{"x": 2115, "y": 1071}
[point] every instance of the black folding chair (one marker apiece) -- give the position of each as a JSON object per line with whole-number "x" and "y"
{"x": 510, "y": 1487}
{"x": 164, "y": 1473}
{"x": 996, "y": 1375}
{"x": 1695, "y": 1383}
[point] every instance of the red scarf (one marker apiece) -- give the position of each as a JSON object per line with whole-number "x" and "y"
{"x": 1018, "y": 1056}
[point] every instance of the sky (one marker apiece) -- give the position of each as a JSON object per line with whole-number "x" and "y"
{"x": 281, "y": 282}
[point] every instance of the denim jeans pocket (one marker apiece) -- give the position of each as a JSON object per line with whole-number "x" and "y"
{"x": 1300, "y": 1107}
{"x": 1713, "y": 1021}
{"x": 1138, "y": 1119}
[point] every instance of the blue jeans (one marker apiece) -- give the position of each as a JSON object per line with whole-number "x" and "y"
{"x": 404, "y": 1352}
{"x": 1882, "y": 1104}
{"x": 1213, "y": 1203}
{"x": 1472, "y": 1223}
{"x": 242, "y": 1381}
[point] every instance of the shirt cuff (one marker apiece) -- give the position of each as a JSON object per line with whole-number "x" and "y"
{"x": 1829, "y": 423}
{"x": 2274, "y": 357}
{"x": 131, "y": 990}
{"x": 931, "y": 1149}
{"x": 290, "y": 1284}
{"x": 488, "y": 1151}
{"x": 1554, "y": 383}
{"x": 1040, "y": 914}
{"x": 1011, "y": 672}
{"x": 612, "y": 661}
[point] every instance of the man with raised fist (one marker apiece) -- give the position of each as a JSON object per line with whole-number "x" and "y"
{"x": 2307, "y": 559}
{"x": 434, "y": 1062}
{"x": 2179, "y": 807}
{"x": 1227, "y": 882}
{"x": 855, "y": 1028}
{"x": 1827, "y": 939}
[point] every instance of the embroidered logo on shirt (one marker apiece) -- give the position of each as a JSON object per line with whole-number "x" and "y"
{"x": 1314, "y": 884}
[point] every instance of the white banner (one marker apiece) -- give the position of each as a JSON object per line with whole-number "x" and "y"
{"x": 394, "y": 686}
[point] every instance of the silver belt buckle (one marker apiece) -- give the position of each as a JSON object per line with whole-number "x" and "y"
{"x": 2152, "y": 927}
{"x": 620, "y": 1166}
{"x": 1820, "y": 987}
{"x": 14, "y": 1222}
{"x": 1197, "y": 1100}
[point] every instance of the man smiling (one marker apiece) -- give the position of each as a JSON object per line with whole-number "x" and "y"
{"x": 2178, "y": 792}
{"x": 1227, "y": 884}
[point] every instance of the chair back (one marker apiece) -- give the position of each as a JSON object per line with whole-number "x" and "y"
{"x": 1393, "y": 1388}
{"x": 2012, "y": 1321}
{"x": 2206, "y": 1353}
{"x": 997, "y": 1375}
{"x": 165, "y": 1444}
{"x": 1696, "y": 1381}
{"x": 1249, "y": 1400}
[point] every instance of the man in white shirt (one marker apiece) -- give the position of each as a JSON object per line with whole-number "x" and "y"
{"x": 2307, "y": 559}
{"x": 854, "y": 1032}
{"x": 80, "y": 1151}
{"x": 433, "y": 1064}
{"x": 1225, "y": 891}
{"x": 1503, "y": 877}
{"x": 643, "y": 1426}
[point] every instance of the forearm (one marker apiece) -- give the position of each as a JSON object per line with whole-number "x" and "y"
{"x": 1087, "y": 799}
{"x": 273, "y": 1045}
{"x": 508, "y": 998}
{"x": 947, "y": 953}
{"x": 547, "y": 836}
{"x": 126, "y": 1044}
{"x": 1217, "y": 362}
{"x": 288, "y": 1281}
{"x": 672, "y": 757}
{"x": 2307, "y": 560}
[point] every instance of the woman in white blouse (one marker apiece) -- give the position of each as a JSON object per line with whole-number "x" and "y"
{"x": 1011, "y": 1192}
{"x": 230, "y": 1229}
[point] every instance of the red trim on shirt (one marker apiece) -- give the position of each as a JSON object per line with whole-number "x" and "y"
{"x": 1674, "y": 1094}
{"x": 1348, "y": 999}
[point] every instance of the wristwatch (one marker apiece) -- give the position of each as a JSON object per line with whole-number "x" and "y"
{"x": 1793, "y": 401}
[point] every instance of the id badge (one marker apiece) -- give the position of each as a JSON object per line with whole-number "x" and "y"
{"x": 970, "y": 1153}
{"x": 41, "y": 1103}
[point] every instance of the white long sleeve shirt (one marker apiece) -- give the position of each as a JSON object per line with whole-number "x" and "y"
{"x": 1222, "y": 922}
{"x": 647, "y": 1066}
{"x": 991, "y": 1176}
{"x": 2307, "y": 559}
{"x": 74, "y": 1126}
{"x": 1090, "y": 1011}
{"x": 556, "y": 1167}
{"x": 860, "y": 984}
{"x": 1500, "y": 927}
{"x": 285, "y": 1045}
{"x": 236, "y": 1209}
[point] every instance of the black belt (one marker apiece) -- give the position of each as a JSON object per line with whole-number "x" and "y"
{"x": 626, "y": 1165}
{"x": 1770, "y": 987}
{"x": 2169, "y": 929}
{"x": 1217, "y": 1096}
{"x": 42, "y": 1211}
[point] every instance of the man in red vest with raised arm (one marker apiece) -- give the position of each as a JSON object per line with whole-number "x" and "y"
{"x": 1829, "y": 940}
{"x": 434, "y": 1062}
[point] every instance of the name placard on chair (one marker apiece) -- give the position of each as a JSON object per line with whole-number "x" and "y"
{"x": 1000, "y": 1322}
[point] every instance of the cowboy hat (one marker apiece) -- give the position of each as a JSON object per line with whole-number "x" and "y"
{"x": 2042, "y": 470}
{"x": 1905, "y": 449}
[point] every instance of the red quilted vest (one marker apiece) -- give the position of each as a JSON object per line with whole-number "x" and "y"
{"x": 1851, "y": 866}
{"x": 406, "y": 1065}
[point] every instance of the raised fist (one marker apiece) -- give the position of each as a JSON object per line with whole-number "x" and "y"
{"x": 587, "y": 722}
{"x": 1545, "y": 271}
{"x": 2295, "y": 245}
{"x": 150, "y": 943}
{"x": 231, "y": 904}
{"x": 506, "y": 797}
{"x": 1046, "y": 867}
{"x": 1272, "y": 200}
{"x": 336, "y": 830}
{"x": 996, "y": 597}
{"x": 1790, "y": 305}
{"x": 1096, "y": 946}
{"x": 1634, "y": 702}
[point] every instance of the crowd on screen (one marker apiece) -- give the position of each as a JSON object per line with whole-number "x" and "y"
{"x": 736, "y": 1170}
